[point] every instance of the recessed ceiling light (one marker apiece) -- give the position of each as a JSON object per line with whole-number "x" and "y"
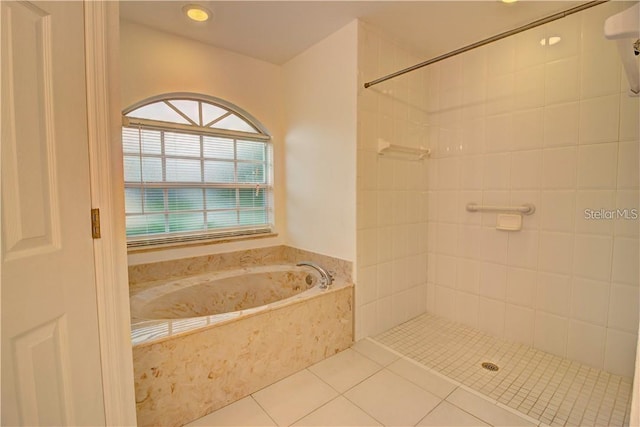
{"x": 196, "y": 12}
{"x": 509, "y": 1}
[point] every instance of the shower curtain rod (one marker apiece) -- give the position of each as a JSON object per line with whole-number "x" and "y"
{"x": 497, "y": 37}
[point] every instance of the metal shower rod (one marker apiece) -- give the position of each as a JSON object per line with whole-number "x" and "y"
{"x": 497, "y": 37}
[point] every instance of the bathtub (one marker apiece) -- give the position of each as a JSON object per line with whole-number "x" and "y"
{"x": 219, "y": 294}
{"x": 202, "y": 342}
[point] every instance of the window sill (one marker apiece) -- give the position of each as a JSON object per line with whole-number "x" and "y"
{"x": 213, "y": 241}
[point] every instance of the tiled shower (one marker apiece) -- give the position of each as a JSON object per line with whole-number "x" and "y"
{"x": 518, "y": 121}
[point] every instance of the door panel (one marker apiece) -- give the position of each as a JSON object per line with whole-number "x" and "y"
{"x": 50, "y": 351}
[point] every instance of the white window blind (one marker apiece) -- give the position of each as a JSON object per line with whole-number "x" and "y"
{"x": 194, "y": 170}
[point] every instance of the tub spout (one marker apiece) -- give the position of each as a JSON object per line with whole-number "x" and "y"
{"x": 326, "y": 278}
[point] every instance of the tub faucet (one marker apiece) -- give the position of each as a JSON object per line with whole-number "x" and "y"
{"x": 326, "y": 278}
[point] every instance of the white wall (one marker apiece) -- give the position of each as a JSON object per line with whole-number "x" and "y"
{"x": 154, "y": 62}
{"x": 320, "y": 95}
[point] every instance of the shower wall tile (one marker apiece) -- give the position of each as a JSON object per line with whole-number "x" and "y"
{"x": 557, "y": 210}
{"x": 519, "y": 324}
{"x": 597, "y": 165}
{"x": 589, "y": 300}
{"x": 562, "y": 81}
{"x": 591, "y": 27}
{"x": 586, "y": 343}
{"x": 551, "y": 333}
{"x": 499, "y": 132}
{"x": 529, "y": 124}
{"x": 467, "y": 306}
{"x": 629, "y": 113}
{"x": 520, "y": 197}
{"x": 559, "y": 168}
{"x": 594, "y": 199}
{"x": 623, "y": 308}
{"x": 626, "y": 201}
{"x": 529, "y": 52}
{"x": 625, "y": 261}
{"x": 561, "y": 124}
{"x": 599, "y": 119}
{"x": 555, "y": 252}
{"x": 501, "y": 57}
{"x": 523, "y": 249}
{"x": 491, "y": 316}
{"x": 521, "y": 288}
{"x": 628, "y": 165}
{"x": 516, "y": 121}
{"x": 496, "y": 171}
{"x": 393, "y": 232}
{"x": 445, "y": 301}
{"x": 592, "y": 256}
{"x": 529, "y": 88}
{"x": 620, "y": 351}
{"x": 469, "y": 243}
{"x": 600, "y": 73}
{"x": 493, "y": 281}
{"x": 628, "y": 155}
{"x": 569, "y": 30}
{"x": 553, "y": 294}
{"x": 468, "y": 276}
{"x": 526, "y": 167}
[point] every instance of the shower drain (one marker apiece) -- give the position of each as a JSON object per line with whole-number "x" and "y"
{"x": 490, "y": 366}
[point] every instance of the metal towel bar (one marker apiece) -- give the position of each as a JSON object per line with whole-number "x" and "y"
{"x": 525, "y": 209}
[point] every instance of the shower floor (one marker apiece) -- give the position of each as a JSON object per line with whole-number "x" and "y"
{"x": 549, "y": 388}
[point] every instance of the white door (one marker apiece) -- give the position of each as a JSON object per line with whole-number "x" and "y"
{"x": 51, "y": 373}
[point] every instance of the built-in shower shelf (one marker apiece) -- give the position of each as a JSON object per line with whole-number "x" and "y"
{"x": 400, "y": 151}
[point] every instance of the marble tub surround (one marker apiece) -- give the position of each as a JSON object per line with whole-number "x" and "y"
{"x": 196, "y": 372}
{"x": 191, "y": 356}
{"x": 143, "y": 275}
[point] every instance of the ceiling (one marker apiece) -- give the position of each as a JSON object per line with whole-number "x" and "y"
{"x": 276, "y": 31}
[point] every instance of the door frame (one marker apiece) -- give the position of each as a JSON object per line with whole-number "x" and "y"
{"x": 110, "y": 251}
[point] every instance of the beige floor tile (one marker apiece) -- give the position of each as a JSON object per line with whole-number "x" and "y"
{"x": 374, "y": 351}
{"x": 485, "y": 410}
{"x": 338, "y": 412}
{"x": 292, "y": 398}
{"x": 244, "y": 412}
{"x": 446, "y": 414}
{"x": 392, "y": 400}
{"x": 345, "y": 369}
{"x": 421, "y": 376}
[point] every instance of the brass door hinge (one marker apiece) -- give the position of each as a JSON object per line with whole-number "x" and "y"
{"x": 95, "y": 223}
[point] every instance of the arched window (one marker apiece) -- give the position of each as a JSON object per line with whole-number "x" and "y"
{"x": 195, "y": 168}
